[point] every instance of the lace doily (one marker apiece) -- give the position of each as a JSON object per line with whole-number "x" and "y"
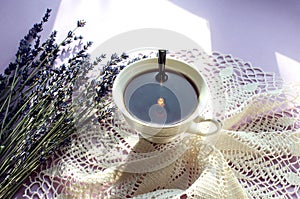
{"x": 256, "y": 154}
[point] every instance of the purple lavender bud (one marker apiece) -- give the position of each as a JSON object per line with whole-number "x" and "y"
{"x": 81, "y": 23}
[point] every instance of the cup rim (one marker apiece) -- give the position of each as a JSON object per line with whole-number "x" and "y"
{"x": 127, "y": 114}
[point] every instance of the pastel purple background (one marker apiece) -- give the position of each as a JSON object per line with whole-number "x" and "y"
{"x": 16, "y": 18}
{"x": 251, "y": 30}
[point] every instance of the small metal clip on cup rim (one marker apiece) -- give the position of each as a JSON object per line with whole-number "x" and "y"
{"x": 162, "y": 76}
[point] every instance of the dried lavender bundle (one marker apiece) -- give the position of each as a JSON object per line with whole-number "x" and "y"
{"x": 36, "y": 109}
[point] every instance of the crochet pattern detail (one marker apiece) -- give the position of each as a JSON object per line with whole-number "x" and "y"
{"x": 255, "y": 155}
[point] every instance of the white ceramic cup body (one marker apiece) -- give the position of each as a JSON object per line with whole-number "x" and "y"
{"x": 162, "y": 133}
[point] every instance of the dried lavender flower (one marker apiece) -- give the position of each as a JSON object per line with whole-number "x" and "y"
{"x": 36, "y": 112}
{"x": 81, "y": 23}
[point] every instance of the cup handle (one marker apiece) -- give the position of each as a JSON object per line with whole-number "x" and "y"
{"x": 194, "y": 130}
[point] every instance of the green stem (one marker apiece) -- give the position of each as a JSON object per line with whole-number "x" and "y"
{"x": 4, "y": 103}
{"x": 14, "y": 118}
{"x": 19, "y": 139}
{"x": 26, "y": 169}
{"x": 49, "y": 136}
{"x": 39, "y": 105}
{"x": 8, "y": 190}
{"x": 25, "y": 120}
{"x": 24, "y": 125}
{"x": 9, "y": 98}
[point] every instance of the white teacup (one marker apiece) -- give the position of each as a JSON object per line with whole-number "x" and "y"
{"x": 162, "y": 133}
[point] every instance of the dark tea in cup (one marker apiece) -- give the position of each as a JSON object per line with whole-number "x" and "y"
{"x": 162, "y": 103}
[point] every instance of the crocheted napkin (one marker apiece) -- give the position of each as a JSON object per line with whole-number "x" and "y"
{"x": 255, "y": 155}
